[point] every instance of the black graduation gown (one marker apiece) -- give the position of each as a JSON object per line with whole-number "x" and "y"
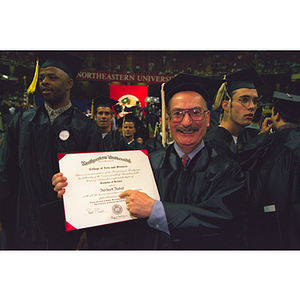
{"x": 117, "y": 236}
{"x": 221, "y": 139}
{"x": 204, "y": 205}
{"x": 30, "y": 212}
{"x": 115, "y": 142}
{"x": 153, "y": 144}
{"x": 134, "y": 145}
{"x": 143, "y": 131}
{"x": 247, "y": 134}
{"x": 214, "y": 120}
{"x": 272, "y": 164}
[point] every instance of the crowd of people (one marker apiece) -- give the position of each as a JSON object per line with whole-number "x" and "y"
{"x": 228, "y": 181}
{"x": 201, "y": 63}
{"x": 172, "y": 62}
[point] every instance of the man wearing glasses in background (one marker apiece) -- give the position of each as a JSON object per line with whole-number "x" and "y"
{"x": 239, "y": 99}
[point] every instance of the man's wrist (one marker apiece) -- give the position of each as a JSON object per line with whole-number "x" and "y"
{"x": 157, "y": 218}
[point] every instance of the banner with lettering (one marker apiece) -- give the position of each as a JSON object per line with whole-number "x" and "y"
{"x": 122, "y": 77}
{"x": 139, "y": 91}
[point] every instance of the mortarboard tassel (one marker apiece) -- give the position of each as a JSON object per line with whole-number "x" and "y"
{"x": 123, "y": 126}
{"x": 163, "y": 113}
{"x": 92, "y": 109}
{"x": 220, "y": 96}
{"x": 33, "y": 84}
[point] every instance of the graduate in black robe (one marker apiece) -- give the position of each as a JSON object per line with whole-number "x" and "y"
{"x": 103, "y": 115}
{"x": 202, "y": 205}
{"x": 129, "y": 124}
{"x": 30, "y": 212}
{"x": 205, "y": 203}
{"x": 238, "y": 96}
{"x": 272, "y": 165}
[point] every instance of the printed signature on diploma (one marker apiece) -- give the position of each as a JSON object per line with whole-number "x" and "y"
{"x": 95, "y": 210}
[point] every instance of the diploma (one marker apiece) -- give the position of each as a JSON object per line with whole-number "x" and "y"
{"x": 96, "y": 179}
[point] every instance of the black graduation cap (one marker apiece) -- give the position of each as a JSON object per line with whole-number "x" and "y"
{"x": 103, "y": 101}
{"x": 287, "y": 103}
{"x": 188, "y": 82}
{"x": 246, "y": 78}
{"x": 65, "y": 61}
{"x": 130, "y": 118}
{"x": 284, "y": 97}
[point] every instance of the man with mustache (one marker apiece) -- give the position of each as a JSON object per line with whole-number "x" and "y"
{"x": 202, "y": 193}
{"x": 31, "y": 215}
{"x": 239, "y": 99}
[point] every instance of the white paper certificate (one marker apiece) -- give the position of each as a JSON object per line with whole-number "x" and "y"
{"x": 96, "y": 179}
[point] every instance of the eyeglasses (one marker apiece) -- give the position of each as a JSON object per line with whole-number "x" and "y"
{"x": 196, "y": 114}
{"x": 245, "y": 101}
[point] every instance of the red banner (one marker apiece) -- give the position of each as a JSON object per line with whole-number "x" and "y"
{"x": 122, "y": 77}
{"x": 139, "y": 91}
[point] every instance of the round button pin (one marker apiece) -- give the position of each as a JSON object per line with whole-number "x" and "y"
{"x": 64, "y": 135}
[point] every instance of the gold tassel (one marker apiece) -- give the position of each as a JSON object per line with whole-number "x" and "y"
{"x": 163, "y": 114}
{"x": 123, "y": 126}
{"x": 92, "y": 109}
{"x": 33, "y": 84}
{"x": 220, "y": 96}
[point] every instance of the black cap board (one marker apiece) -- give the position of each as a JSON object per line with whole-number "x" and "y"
{"x": 287, "y": 104}
{"x": 188, "y": 82}
{"x": 103, "y": 101}
{"x": 65, "y": 61}
{"x": 285, "y": 97}
{"x": 130, "y": 118}
{"x": 246, "y": 78}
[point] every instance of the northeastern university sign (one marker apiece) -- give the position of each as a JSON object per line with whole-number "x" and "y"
{"x": 122, "y": 77}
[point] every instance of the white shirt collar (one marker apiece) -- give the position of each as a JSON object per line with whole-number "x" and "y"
{"x": 191, "y": 154}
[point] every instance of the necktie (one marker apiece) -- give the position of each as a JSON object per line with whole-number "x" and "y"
{"x": 185, "y": 158}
